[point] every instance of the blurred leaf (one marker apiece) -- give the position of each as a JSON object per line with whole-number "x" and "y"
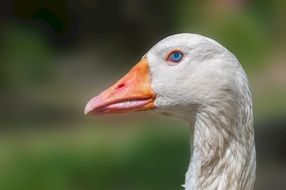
{"x": 26, "y": 55}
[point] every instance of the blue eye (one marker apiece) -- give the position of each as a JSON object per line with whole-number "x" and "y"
{"x": 175, "y": 56}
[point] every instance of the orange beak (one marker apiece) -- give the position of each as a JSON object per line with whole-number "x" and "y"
{"x": 131, "y": 93}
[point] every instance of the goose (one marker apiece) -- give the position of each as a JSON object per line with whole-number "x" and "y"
{"x": 194, "y": 78}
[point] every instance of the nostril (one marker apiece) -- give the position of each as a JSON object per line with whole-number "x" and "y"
{"x": 120, "y": 85}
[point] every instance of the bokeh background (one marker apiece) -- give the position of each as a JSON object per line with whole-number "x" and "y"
{"x": 55, "y": 55}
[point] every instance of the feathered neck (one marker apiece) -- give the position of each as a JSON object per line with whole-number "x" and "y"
{"x": 223, "y": 151}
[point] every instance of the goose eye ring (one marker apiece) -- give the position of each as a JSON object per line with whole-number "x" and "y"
{"x": 175, "y": 56}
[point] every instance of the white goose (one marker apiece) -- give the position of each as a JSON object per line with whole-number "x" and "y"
{"x": 196, "y": 79}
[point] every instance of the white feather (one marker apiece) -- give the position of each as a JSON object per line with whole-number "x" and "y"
{"x": 210, "y": 90}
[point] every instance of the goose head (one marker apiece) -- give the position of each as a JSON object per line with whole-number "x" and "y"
{"x": 180, "y": 75}
{"x": 194, "y": 78}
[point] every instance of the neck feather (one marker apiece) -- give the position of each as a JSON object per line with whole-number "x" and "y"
{"x": 223, "y": 155}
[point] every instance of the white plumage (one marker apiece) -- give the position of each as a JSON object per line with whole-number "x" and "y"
{"x": 209, "y": 89}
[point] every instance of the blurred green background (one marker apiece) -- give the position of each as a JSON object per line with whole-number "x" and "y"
{"x": 55, "y": 55}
